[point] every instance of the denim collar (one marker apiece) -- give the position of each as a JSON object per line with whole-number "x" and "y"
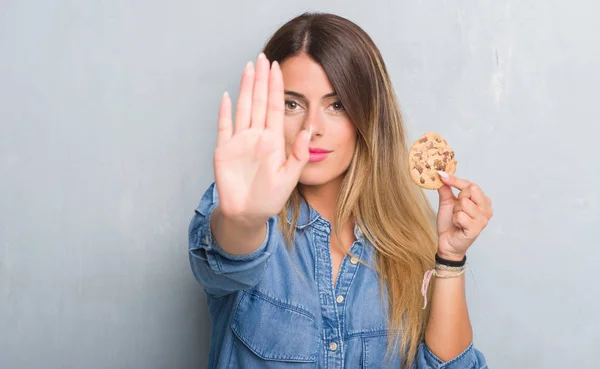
{"x": 308, "y": 215}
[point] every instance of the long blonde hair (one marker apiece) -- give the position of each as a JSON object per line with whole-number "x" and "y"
{"x": 377, "y": 192}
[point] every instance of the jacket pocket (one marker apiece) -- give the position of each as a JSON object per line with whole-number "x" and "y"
{"x": 273, "y": 331}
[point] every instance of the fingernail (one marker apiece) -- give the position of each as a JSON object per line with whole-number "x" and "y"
{"x": 249, "y": 65}
{"x": 226, "y": 94}
{"x": 444, "y": 175}
{"x": 262, "y": 56}
{"x": 274, "y": 65}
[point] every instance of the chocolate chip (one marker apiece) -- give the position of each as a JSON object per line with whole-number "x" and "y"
{"x": 422, "y": 181}
{"x": 438, "y": 139}
{"x": 424, "y": 139}
{"x": 419, "y": 168}
{"x": 439, "y": 165}
{"x": 427, "y": 166}
{"x": 418, "y": 154}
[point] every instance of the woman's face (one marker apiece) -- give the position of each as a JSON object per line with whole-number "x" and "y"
{"x": 311, "y": 101}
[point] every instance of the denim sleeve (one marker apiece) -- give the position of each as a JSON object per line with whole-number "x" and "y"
{"x": 220, "y": 272}
{"x": 471, "y": 358}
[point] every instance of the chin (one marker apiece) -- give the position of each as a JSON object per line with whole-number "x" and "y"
{"x": 316, "y": 177}
{"x": 311, "y": 181}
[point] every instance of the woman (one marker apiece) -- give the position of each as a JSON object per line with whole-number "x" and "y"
{"x": 313, "y": 241}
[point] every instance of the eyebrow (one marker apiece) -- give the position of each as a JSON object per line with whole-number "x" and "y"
{"x": 331, "y": 94}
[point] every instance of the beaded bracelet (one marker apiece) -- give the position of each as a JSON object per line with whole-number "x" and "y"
{"x": 449, "y": 268}
{"x": 434, "y": 273}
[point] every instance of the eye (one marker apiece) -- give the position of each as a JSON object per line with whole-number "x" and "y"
{"x": 291, "y": 104}
{"x": 338, "y": 106}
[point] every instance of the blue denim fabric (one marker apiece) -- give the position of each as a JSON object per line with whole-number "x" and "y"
{"x": 277, "y": 307}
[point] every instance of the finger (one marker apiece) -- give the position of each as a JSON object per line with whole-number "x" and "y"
{"x": 275, "y": 108}
{"x": 467, "y": 224}
{"x": 261, "y": 90}
{"x": 475, "y": 194}
{"x": 244, "y": 103}
{"x": 453, "y": 181}
{"x": 469, "y": 207}
{"x": 462, "y": 220}
{"x": 224, "y": 129}
{"x": 299, "y": 156}
{"x": 446, "y": 195}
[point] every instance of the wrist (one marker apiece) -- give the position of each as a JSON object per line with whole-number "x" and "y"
{"x": 243, "y": 223}
{"x": 451, "y": 256}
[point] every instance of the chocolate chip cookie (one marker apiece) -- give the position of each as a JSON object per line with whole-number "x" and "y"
{"x": 427, "y": 155}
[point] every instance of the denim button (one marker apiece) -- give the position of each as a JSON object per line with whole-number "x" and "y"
{"x": 340, "y": 299}
{"x": 333, "y": 346}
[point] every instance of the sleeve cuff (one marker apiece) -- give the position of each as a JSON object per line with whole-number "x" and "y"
{"x": 203, "y": 246}
{"x": 470, "y": 358}
{"x": 217, "y": 258}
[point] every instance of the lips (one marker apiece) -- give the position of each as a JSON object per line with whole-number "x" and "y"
{"x": 318, "y": 150}
{"x": 317, "y": 154}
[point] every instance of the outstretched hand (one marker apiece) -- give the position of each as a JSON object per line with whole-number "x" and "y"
{"x": 253, "y": 176}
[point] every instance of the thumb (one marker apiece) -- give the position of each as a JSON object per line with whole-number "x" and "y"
{"x": 445, "y": 192}
{"x": 299, "y": 156}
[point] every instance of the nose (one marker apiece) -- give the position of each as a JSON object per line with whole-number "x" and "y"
{"x": 314, "y": 119}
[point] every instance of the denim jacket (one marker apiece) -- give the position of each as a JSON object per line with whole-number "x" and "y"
{"x": 277, "y": 307}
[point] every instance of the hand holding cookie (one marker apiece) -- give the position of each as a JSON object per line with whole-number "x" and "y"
{"x": 460, "y": 218}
